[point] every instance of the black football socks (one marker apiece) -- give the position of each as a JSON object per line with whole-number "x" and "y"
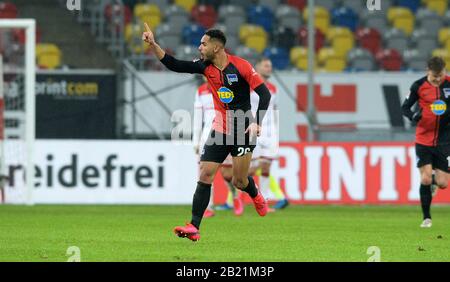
{"x": 425, "y": 200}
{"x": 251, "y": 188}
{"x": 200, "y": 203}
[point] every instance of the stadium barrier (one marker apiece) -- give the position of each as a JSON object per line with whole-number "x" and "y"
{"x": 163, "y": 172}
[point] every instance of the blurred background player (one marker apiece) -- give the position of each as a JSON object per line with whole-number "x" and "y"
{"x": 266, "y": 148}
{"x": 268, "y": 143}
{"x": 432, "y": 93}
{"x": 203, "y": 119}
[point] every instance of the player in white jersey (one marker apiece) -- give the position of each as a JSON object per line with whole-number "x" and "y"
{"x": 267, "y": 144}
{"x": 203, "y": 118}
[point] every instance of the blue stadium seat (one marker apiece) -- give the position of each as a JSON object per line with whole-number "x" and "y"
{"x": 192, "y": 34}
{"x": 278, "y": 56}
{"x": 261, "y": 15}
{"x": 344, "y": 16}
{"x": 413, "y": 5}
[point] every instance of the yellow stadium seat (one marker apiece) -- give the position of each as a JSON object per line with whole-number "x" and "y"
{"x": 321, "y": 18}
{"x": 142, "y": 9}
{"x": 302, "y": 64}
{"x": 296, "y": 53}
{"x": 444, "y": 34}
{"x": 402, "y": 18}
{"x": 133, "y": 36}
{"x": 444, "y": 53}
{"x": 48, "y": 55}
{"x": 326, "y": 53}
{"x": 186, "y": 4}
{"x": 341, "y": 38}
{"x": 335, "y": 64}
{"x": 439, "y": 6}
{"x": 152, "y": 21}
{"x": 250, "y": 29}
{"x": 447, "y": 44}
{"x": 257, "y": 42}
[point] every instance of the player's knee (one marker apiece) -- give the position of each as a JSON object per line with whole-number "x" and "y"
{"x": 442, "y": 183}
{"x": 206, "y": 175}
{"x": 426, "y": 179}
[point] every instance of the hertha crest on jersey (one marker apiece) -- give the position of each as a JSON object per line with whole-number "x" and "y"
{"x": 232, "y": 77}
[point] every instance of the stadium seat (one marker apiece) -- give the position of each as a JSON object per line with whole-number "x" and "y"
{"x": 186, "y": 52}
{"x": 429, "y": 20}
{"x": 204, "y": 15}
{"x": 444, "y": 35}
{"x": 375, "y": 20}
{"x": 415, "y": 60}
{"x": 369, "y": 38}
{"x": 424, "y": 41}
{"x": 215, "y": 3}
{"x": 148, "y": 13}
{"x": 133, "y": 37}
{"x": 261, "y": 15}
{"x": 19, "y": 35}
{"x": 360, "y": 59}
{"x": 278, "y": 56}
{"x": 288, "y": 17}
{"x": 244, "y": 4}
{"x": 113, "y": 12}
{"x": 256, "y": 42}
{"x": 330, "y": 61}
{"x": 413, "y": 5}
{"x": 299, "y": 4}
{"x": 357, "y": 6}
{"x": 250, "y": 29}
{"x": 187, "y": 5}
{"x": 168, "y": 37}
{"x": 327, "y": 4}
{"x": 318, "y": 35}
{"x": 439, "y": 6}
{"x": 8, "y": 10}
{"x": 176, "y": 17}
{"x": 389, "y": 59}
{"x": 346, "y": 17}
{"x": 321, "y": 17}
{"x": 247, "y": 53}
{"x": 162, "y": 4}
{"x": 444, "y": 53}
{"x": 396, "y": 39}
{"x": 284, "y": 37}
{"x": 299, "y": 58}
{"x": 232, "y": 42}
{"x": 341, "y": 38}
{"x": 446, "y": 18}
{"x": 192, "y": 34}
{"x": 401, "y": 18}
{"x": 48, "y": 55}
{"x": 272, "y": 4}
{"x": 233, "y": 17}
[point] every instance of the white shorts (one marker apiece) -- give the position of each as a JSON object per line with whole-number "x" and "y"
{"x": 266, "y": 148}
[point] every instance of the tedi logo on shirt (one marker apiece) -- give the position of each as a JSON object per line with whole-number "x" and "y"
{"x": 438, "y": 107}
{"x": 225, "y": 95}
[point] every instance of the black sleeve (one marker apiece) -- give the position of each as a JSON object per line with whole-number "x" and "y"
{"x": 410, "y": 100}
{"x": 264, "y": 100}
{"x": 183, "y": 66}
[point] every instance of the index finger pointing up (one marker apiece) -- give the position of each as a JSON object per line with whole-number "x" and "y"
{"x": 147, "y": 28}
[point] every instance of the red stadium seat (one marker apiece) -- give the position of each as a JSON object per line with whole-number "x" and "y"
{"x": 370, "y": 39}
{"x": 299, "y": 4}
{"x": 19, "y": 35}
{"x": 389, "y": 59}
{"x": 204, "y": 15}
{"x": 303, "y": 38}
{"x": 111, "y": 10}
{"x": 8, "y": 10}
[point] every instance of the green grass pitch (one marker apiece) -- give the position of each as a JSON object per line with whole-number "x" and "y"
{"x": 298, "y": 233}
